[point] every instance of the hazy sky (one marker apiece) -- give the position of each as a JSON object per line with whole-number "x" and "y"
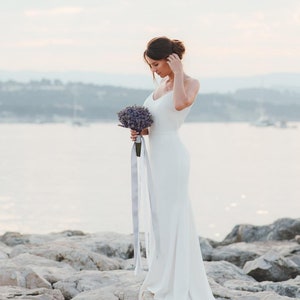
{"x": 223, "y": 37}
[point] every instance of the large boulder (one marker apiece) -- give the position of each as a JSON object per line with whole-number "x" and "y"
{"x": 13, "y": 238}
{"x": 273, "y": 267}
{"x": 240, "y": 253}
{"x": 87, "y": 281}
{"x": 50, "y": 270}
{"x": 281, "y": 229}
{"x": 237, "y": 254}
{"x": 222, "y": 271}
{"x": 70, "y": 253}
{"x": 110, "y": 244}
{"x": 22, "y": 277}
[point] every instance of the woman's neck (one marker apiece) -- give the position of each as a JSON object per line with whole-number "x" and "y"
{"x": 169, "y": 84}
{"x": 171, "y": 77}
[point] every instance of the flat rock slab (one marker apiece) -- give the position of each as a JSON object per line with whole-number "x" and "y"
{"x": 12, "y": 292}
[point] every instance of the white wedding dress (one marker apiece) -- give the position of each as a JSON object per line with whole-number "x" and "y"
{"x": 176, "y": 269}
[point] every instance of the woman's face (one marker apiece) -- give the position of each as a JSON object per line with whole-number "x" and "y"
{"x": 160, "y": 67}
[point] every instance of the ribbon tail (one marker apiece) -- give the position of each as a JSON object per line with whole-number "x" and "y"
{"x": 135, "y": 193}
{"x": 141, "y": 181}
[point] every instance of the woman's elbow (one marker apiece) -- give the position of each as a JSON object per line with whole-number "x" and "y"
{"x": 183, "y": 105}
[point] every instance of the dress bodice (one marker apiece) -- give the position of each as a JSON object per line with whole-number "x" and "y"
{"x": 166, "y": 118}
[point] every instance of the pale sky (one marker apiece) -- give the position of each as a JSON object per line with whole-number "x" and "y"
{"x": 222, "y": 37}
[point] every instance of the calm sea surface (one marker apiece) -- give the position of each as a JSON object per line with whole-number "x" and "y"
{"x": 58, "y": 177}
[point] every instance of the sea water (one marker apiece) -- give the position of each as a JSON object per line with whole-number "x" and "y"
{"x": 55, "y": 177}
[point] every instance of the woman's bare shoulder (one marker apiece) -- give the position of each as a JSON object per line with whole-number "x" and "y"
{"x": 192, "y": 84}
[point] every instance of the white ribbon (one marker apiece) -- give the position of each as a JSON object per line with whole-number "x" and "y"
{"x": 141, "y": 180}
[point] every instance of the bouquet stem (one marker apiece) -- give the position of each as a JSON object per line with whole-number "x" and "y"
{"x": 138, "y": 145}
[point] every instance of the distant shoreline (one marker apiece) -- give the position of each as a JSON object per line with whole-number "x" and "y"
{"x": 47, "y": 101}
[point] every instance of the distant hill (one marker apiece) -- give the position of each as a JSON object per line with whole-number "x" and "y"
{"x": 54, "y": 101}
{"x": 277, "y": 81}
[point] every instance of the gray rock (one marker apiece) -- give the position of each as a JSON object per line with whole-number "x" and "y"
{"x": 4, "y": 251}
{"x": 70, "y": 253}
{"x": 86, "y": 281}
{"x": 206, "y": 248}
{"x": 294, "y": 255}
{"x": 289, "y": 288}
{"x": 50, "y": 270}
{"x": 72, "y": 233}
{"x": 99, "y": 266}
{"x": 83, "y": 281}
{"x": 240, "y": 253}
{"x": 222, "y": 271}
{"x": 13, "y": 238}
{"x": 129, "y": 292}
{"x": 240, "y": 290}
{"x": 295, "y": 258}
{"x": 110, "y": 244}
{"x": 273, "y": 267}
{"x": 100, "y": 294}
{"x": 128, "y": 264}
{"x": 3, "y": 255}
{"x": 237, "y": 254}
{"x": 22, "y": 277}
{"x": 261, "y": 296}
{"x": 282, "y": 229}
{"x": 221, "y": 292}
{"x": 12, "y": 292}
{"x": 240, "y": 285}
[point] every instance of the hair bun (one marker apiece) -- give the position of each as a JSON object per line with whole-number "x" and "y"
{"x": 161, "y": 47}
{"x": 178, "y": 48}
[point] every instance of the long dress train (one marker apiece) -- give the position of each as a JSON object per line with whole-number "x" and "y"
{"x": 176, "y": 269}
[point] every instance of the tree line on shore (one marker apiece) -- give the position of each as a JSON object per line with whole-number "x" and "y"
{"x": 54, "y": 101}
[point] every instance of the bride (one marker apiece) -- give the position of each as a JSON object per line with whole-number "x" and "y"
{"x": 176, "y": 269}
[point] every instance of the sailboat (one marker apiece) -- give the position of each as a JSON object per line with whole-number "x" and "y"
{"x": 76, "y": 121}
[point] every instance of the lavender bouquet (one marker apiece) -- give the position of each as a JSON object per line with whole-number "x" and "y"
{"x": 136, "y": 118}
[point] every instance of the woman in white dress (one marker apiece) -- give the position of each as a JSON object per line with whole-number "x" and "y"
{"x": 176, "y": 269}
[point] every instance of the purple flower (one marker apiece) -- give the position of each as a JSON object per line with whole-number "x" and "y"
{"x": 135, "y": 117}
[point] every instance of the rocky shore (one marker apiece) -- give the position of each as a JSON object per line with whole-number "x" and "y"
{"x": 251, "y": 263}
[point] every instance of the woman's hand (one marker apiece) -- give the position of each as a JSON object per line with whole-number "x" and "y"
{"x": 134, "y": 134}
{"x": 175, "y": 63}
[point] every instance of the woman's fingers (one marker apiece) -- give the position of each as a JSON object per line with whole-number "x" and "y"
{"x": 172, "y": 57}
{"x": 133, "y": 134}
{"x": 175, "y": 63}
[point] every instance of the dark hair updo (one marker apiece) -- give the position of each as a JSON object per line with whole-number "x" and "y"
{"x": 161, "y": 47}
